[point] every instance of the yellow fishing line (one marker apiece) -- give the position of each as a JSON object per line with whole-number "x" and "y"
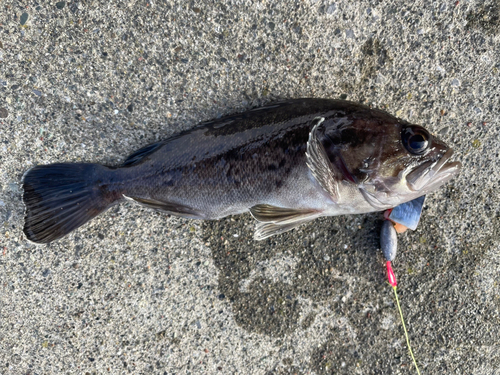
{"x": 404, "y": 327}
{"x": 391, "y": 277}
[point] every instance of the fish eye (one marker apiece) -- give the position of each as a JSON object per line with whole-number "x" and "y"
{"x": 416, "y": 139}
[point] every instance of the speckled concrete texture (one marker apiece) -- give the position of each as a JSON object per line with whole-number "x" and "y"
{"x": 139, "y": 292}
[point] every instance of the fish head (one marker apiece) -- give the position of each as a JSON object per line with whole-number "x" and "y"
{"x": 389, "y": 160}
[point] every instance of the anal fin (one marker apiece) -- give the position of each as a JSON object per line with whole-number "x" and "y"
{"x": 168, "y": 207}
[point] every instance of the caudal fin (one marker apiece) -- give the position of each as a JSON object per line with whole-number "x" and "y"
{"x": 61, "y": 197}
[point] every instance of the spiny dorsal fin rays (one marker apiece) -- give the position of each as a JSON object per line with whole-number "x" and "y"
{"x": 319, "y": 164}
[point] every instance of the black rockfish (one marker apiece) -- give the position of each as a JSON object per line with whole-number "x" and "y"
{"x": 286, "y": 163}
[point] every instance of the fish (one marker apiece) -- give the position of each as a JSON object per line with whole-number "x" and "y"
{"x": 286, "y": 163}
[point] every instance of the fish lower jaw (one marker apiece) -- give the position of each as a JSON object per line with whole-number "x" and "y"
{"x": 431, "y": 180}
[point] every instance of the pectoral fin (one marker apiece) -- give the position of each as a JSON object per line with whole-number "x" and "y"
{"x": 319, "y": 164}
{"x": 168, "y": 207}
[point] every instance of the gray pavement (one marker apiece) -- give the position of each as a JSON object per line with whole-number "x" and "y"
{"x": 142, "y": 293}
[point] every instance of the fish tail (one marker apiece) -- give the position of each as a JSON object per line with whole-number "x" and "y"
{"x": 62, "y": 197}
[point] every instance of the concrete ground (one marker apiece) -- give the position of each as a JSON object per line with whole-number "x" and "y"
{"x": 142, "y": 293}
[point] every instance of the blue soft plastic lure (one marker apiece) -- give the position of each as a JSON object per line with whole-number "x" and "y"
{"x": 408, "y": 214}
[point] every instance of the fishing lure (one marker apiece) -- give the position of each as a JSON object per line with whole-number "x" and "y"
{"x": 402, "y": 217}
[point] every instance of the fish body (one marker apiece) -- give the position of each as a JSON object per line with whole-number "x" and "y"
{"x": 286, "y": 163}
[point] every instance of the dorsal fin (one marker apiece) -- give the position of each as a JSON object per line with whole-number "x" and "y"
{"x": 140, "y": 154}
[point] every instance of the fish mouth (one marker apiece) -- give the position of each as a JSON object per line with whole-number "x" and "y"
{"x": 432, "y": 174}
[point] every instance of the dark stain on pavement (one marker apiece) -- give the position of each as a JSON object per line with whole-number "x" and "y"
{"x": 339, "y": 267}
{"x": 486, "y": 18}
{"x": 375, "y": 56}
{"x": 320, "y": 274}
